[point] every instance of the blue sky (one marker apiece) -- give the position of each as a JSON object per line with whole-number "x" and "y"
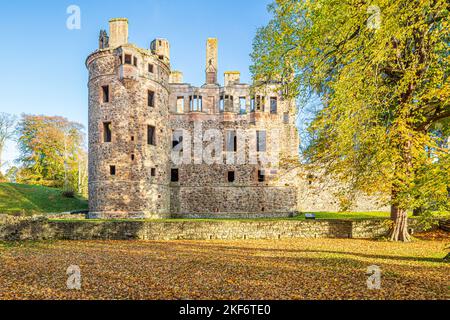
{"x": 43, "y": 62}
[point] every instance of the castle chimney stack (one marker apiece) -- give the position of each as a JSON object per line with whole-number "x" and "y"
{"x": 211, "y": 60}
{"x": 118, "y": 32}
{"x": 161, "y": 47}
{"x": 176, "y": 77}
{"x": 232, "y": 77}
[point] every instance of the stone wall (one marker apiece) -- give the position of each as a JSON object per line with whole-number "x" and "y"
{"x": 139, "y": 186}
{"x": 130, "y": 95}
{"x": 318, "y": 193}
{"x": 40, "y": 228}
{"x": 203, "y": 190}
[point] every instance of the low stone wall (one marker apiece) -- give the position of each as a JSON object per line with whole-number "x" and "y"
{"x": 364, "y": 229}
{"x": 374, "y": 228}
{"x": 40, "y": 228}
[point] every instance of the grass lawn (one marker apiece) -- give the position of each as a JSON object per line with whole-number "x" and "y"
{"x": 284, "y": 269}
{"x": 319, "y": 215}
{"x": 18, "y": 198}
{"x": 348, "y": 215}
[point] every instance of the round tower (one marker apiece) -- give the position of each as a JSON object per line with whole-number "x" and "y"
{"x": 129, "y": 133}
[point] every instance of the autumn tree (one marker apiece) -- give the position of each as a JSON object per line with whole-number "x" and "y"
{"x": 82, "y": 183}
{"x": 380, "y": 71}
{"x": 7, "y": 128}
{"x": 51, "y": 150}
{"x": 11, "y": 174}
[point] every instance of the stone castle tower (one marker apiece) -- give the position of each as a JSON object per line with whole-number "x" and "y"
{"x": 141, "y": 114}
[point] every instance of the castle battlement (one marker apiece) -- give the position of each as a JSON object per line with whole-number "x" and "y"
{"x": 141, "y": 113}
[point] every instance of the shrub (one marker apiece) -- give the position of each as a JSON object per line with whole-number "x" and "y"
{"x": 68, "y": 194}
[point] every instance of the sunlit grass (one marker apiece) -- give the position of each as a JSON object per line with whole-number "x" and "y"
{"x": 29, "y": 199}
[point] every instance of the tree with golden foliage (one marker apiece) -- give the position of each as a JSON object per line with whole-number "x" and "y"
{"x": 51, "y": 151}
{"x": 380, "y": 70}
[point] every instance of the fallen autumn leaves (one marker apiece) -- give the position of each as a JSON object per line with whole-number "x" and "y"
{"x": 285, "y": 269}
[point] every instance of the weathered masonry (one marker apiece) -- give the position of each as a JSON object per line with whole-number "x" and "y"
{"x": 140, "y": 110}
{"x": 41, "y": 228}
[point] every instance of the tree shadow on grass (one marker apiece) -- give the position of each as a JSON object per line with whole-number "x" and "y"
{"x": 376, "y": 256}
{"x": 14, "y": 201}
{"x": 356, "y": 254}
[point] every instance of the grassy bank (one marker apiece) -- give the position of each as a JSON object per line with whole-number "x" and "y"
{"x": 19, "y": 198}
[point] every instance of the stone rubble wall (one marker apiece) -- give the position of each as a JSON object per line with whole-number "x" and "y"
{"x": 140, "y": 185}
{"x": 319, "y": 193}
{"x": 40, "y": 228}
{"x": 203, "y": 190}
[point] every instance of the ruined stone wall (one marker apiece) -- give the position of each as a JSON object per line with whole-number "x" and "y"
{"x": 133, "y": 191}
{"x": 319, "y": 194}
{"x": 39, "y": 228}
{"x": 141, "y": 185}
{"x": 203, "y": 189}
{"x": 130, "y": 178}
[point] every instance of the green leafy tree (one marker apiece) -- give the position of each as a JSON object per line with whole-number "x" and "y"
{"x": 380, "y": 71}
{"x": 51, "y": 149}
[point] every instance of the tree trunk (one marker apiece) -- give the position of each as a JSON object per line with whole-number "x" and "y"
{"x": 399, "y": 231}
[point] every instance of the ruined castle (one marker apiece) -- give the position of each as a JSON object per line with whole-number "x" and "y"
{"x": 141, "y": 112}
{"x": 162, "y": 148}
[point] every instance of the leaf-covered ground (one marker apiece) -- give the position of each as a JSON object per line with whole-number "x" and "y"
{"x": 285, "y": 269}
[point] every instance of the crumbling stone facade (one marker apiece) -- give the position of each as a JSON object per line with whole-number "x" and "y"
{"x": 140, "y": 109}
{"x": 41, "y": 228}
{"x": 160, "y": 147}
